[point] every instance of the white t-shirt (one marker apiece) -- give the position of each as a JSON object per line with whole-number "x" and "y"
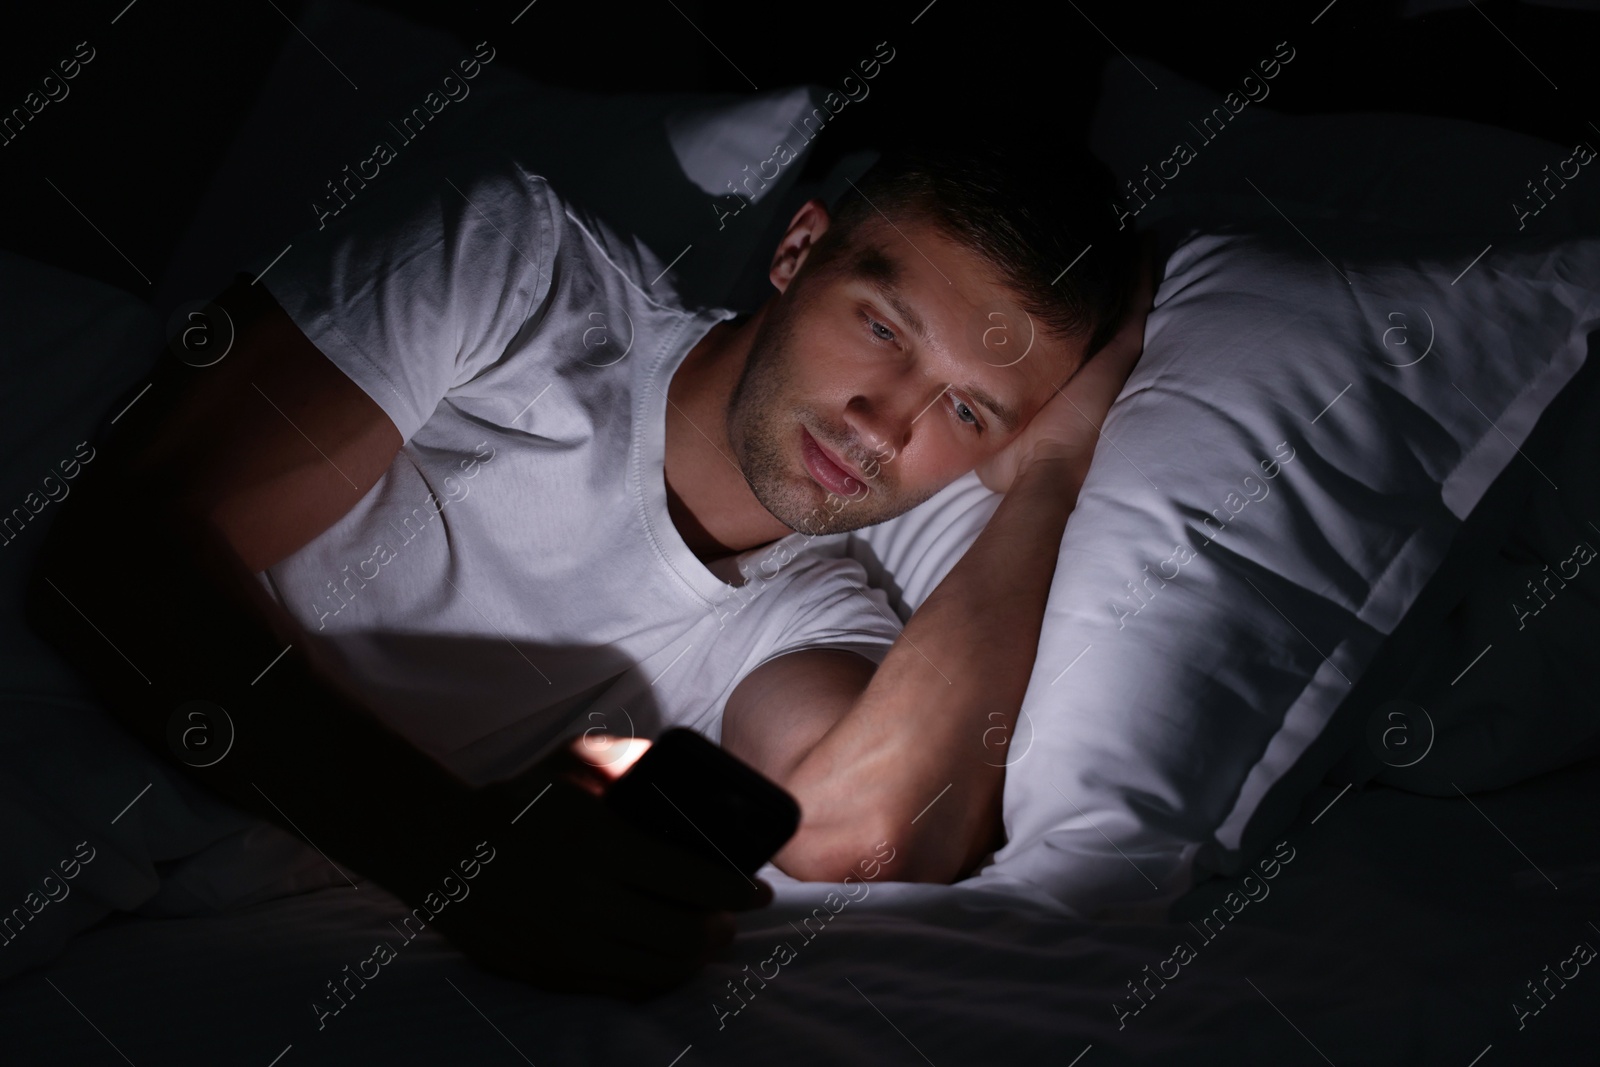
{"x": 514, "y": 577}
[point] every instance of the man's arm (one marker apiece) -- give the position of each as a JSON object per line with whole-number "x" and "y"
{"x": 910, "y": 735}
{"x": 898, "y": 754}
{"x": 146, "y": 584}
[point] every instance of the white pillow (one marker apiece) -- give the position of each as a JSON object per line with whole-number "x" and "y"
{"x": 1272, "y": 385}
{"x": 1266, "y": 389}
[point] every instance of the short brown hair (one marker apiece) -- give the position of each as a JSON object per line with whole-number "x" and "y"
{"x": 1030, "y": 226}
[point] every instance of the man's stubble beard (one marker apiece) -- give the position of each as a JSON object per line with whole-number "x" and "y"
{"x": 763, "y": 431}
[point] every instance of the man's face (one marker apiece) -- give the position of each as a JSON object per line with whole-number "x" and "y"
{"x": 904, "y": 356}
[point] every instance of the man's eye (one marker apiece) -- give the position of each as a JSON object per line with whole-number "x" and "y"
{"x": 879, "y": 330}
{"x": 958, "y": 407}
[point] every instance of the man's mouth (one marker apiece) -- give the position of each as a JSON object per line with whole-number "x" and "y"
{"x": 828, "y": 470}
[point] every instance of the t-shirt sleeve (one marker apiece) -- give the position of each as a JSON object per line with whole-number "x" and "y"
{"x": 419, "y": 290}
{"x": 830, "y": 605}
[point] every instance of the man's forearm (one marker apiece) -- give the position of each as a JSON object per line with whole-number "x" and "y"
{"x": 156, "y": 627}
{"x": 907, "y": 762}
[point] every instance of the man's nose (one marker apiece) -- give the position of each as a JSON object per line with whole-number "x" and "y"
{"x": 884, "y": 420}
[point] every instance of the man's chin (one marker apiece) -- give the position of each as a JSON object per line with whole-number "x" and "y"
{"x": 831, "y": 514}
{"x": 806, "y": 506}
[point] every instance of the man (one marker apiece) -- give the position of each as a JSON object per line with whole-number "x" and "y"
{"x": 422, "y": 515}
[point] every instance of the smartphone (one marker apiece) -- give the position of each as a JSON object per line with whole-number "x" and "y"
{"x": 686, "y": 790}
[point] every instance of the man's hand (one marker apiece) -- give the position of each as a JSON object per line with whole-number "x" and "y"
{"x": 576, "y": 901}
{"x": 1068, "y": 425}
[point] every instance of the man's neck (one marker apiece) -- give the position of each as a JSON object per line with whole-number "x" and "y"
{"x": 708, "y": 499}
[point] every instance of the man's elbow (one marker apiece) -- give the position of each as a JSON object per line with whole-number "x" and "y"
{"x": 882, "y": 850}
{"x": 862, "y": 851}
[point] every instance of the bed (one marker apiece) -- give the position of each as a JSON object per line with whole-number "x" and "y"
{"x": 1402, "y": 930}
{"x": 1377, "y": 925}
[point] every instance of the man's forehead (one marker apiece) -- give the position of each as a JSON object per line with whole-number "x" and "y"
{"x": 898, "y": 259}
{"x": 876, "y": 265}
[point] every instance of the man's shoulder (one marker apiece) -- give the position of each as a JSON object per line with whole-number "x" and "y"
{"x": 581, "y": 230}
{"x": 614, "y": 252}
{"x": 554, "y": 228}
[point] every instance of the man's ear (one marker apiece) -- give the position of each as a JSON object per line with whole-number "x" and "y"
{"x": 807, "y": 226}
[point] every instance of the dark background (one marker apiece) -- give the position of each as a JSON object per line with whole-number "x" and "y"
{"x": 147, "y": 122}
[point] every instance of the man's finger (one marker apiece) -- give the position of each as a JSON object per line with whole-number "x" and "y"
{"x": 610, "y": 755}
